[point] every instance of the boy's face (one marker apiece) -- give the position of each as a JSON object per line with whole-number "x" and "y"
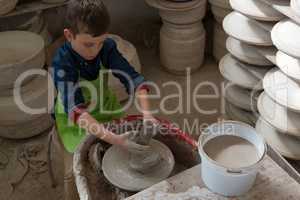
{"x": 84, "y": 44}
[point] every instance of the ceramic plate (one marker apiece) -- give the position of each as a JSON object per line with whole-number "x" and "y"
{"x": 295, "y": 5}
{"x": 280, "y": 117}
{"x": 246, "y": 53}
{"x": 247, "y": 30}
{"x": 282, "y": 89}
{"x": 241, "y": 74}
{"x": 286, "y": 145}
{"x": 240, "y": 97}
{"x": 237, "y": 114}
{"x": 256, "y": 9}
{"x": 286, "y": 37}
{"x": 289, "y": 65}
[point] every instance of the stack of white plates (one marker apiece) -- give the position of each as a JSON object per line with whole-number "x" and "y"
{"x": 279, "y": 105}
{"x": 249, "y": 28}
{"x": 219, "y": 8}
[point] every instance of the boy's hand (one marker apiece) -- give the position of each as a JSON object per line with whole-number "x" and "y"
{"x": 126, "y": 141}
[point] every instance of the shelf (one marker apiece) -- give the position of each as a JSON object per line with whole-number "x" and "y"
{"x": 32, "y": 7}
{"x": 283, "y": 6}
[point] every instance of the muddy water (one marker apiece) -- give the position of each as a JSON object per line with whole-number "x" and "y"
{"x": 232, "y": 151}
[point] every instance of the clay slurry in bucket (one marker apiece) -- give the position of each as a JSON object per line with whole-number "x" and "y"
{"x": 232, "y": 151}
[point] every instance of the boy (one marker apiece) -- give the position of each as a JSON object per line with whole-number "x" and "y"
{"x": 87, "y": 52}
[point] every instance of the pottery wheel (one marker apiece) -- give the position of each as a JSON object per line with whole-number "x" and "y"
{"x": 116, "y": 168}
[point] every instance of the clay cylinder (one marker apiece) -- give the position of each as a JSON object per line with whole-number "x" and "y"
{"x": 182, "y": 47}
{"x": 184, "y": 16}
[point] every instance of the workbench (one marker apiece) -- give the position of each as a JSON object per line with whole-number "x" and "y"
{"x": 273, "y": 183}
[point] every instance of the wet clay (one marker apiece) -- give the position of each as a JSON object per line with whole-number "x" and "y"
{"x": 232, "y": 151}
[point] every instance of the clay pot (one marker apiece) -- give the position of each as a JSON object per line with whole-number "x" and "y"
{"x": 7, "y": 5}
{"x": 256, "y": 9}
{"x": 285, "y": 36}
{"x": 220, "y": 3}
{"x": 246, "y": 53}
{"x": 280, "y": 117}
{"x": 220, "y": 13}
{"x": 178, "y": 4}
{"x": 247, "y": 30}
{"x": 129, "y": 52}
{"x": 286, "y": 145}
{"x": 20, "y": 51}
{"x": 32, "y": 22}
{"x": 188, "y": 16}
{"x": 282, "y": 89}
{"x": 182, "y": 47}
{"x": 36, "y": 94}
{"x": 219, "y": 42}
{"x": 244, "y": 75}
{"x": 53, "y": 1}
{"x": 288, "y": 65}
{"x": 191, "y": 14}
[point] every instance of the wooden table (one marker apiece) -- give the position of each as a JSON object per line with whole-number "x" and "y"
{"x": 273, "y": 183}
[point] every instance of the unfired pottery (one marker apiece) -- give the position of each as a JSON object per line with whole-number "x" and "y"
{"x": 220, "y": 13}
{"x": 246, "y": 53}
{"x": 282, "y": 89}
{"x": 295, "y": 5}
{"x": 285, "y": 36}
{"x": 36, "y": 94}
{"x": 129, "y": 52}
{"x": 189, "y": 15}
{"x": 240, "y": 97}
{"x": 219, "y": 40}
{"x": 289, "y": 65}
{"x": 178, "y": 5}
{"x": 7, "y": 5}
{"x": 256, "y": 9}
{"x": 182, "y": 47}
{"x": 32, "y": 22}
{"x": 117, "y": 170}
{"x": 238, "y": 114}
{"x": 280, "y": 117}
{"x": 246, "y": 29}
{"x": 286, "y": 145}
{"x": 220, "y": 3}
{"x": 241, "y": 74}
{"x": 53, "y": 1}
{"x": 20, "y": 51}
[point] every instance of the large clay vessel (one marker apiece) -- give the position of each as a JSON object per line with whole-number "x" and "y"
{"x": 182, "y": 47}
{"x": 7, "y": 5}
{"x": 20, "y": 51}
{"x": 182, "y": 36}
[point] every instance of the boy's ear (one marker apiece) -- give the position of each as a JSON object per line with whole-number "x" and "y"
{"x": 68, "y": 35}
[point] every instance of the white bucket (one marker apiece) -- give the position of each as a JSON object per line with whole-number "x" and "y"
{"x": 230, "y": 181}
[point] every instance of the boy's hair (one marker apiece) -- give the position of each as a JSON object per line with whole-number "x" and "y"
{"x": 87, "y": 16}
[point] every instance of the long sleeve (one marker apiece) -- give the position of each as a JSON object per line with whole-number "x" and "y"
{"x": 120, "y": 67}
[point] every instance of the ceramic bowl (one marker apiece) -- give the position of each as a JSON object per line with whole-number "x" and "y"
{"x": 247, "y": 30}
{"x": 20, "y": 51}
{"x": 241, "y": 74}
{"x": 289, "y": 65}
{"x": 7, "y": 5}
{"x": 286, "y": 145}
{"x": 246, "y": 52}
{"x": 237, "y": 114}
{"x": 256, "y": 9}
{"x": 285, "y": 36}
{"x": 280, "y": 117}
{"x": 295, "y": 5}
{"x": 282, "y": 89}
